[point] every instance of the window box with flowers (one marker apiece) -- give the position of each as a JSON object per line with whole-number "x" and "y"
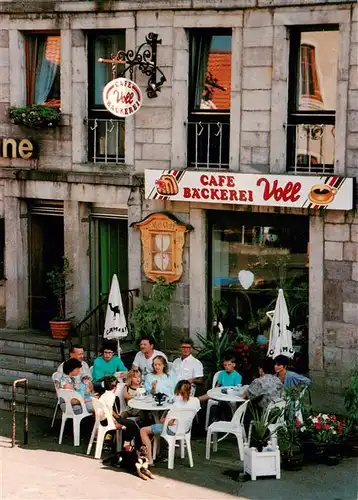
{"x": 35, "y": 116}
{"x": 322, "y": 436}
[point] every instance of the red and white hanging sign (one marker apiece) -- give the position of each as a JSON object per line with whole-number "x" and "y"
{"x": 325, "y": 191}
{"x": 122, "y": 97}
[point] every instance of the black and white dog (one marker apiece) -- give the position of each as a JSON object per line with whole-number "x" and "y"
{"x": 133, "y": 461}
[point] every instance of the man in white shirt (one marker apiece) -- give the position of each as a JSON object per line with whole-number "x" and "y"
{"x": 77, "y": 352}
{"x": 144, "y": 358}
{"x": 187, "y": 367}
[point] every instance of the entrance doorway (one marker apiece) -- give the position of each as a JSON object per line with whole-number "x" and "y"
{"x": 109, "y": 255}
{"x": 46, "y": 249}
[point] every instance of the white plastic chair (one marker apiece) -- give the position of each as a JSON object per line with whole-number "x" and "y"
{"x": 235, "y": 426}
{"x": 102, "y": 412}
{"x": 211, "y": 402}
{"x": 67, "y": 396}
{"x": 55, "y": 379}
{"x": 122, "y": 402}
{"x": 183, "y": 422}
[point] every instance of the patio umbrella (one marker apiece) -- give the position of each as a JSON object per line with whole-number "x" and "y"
{"x": 280, "y": 335}
{"x": 115, "y": 326}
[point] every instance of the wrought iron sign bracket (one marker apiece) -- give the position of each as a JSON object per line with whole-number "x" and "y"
{"x": 145, "y": 58}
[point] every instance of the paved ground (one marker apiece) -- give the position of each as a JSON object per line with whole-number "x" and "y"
{"x": 45, "y": 470}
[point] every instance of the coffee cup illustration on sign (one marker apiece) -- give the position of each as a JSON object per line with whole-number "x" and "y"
{"x": 167, "y": 185}
{"x": 322, "y": 194}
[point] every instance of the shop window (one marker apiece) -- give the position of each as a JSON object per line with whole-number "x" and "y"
{"x": 106, "y": 132}
{"x": 312, "y": 100}
{"x": 209, "y": 99}
{"x": 251, "y": 256}
{"x": 43, "y": 67}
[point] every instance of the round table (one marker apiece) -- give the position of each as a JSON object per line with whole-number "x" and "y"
{"x": 233, "y": 396}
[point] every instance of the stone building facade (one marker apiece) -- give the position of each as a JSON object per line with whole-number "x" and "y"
{"x": 81, "y": 190}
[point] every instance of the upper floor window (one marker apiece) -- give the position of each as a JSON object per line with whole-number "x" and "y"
{"x": 43, "y": 66}
{"x": 312, "y": 100}
{"x": 106, "y": 132}
{"x": 209, "y": 98}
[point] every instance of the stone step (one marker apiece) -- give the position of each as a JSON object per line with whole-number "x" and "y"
{"x": 30, "y": 356}
{"x": 35, "y": 388}
{"x": 23, "y": 370}
{"x": 37, "y": 404}
{"x": 28, "y": 339}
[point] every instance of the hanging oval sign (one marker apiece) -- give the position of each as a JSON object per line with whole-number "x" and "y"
{"x": 122, "y": 97}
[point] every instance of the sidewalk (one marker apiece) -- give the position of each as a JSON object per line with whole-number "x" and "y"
{"x": 45, "y": 470}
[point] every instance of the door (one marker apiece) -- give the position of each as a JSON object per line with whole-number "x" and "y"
{"x": 46, "y": 249}
{"x": 109, "y": 255}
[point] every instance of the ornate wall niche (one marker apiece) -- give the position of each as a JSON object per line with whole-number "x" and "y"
{"x": 162, "y": 236}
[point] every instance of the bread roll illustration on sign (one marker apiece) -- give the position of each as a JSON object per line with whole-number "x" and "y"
{"x": 322, "y": 194}
{"x": 167, "y": 185}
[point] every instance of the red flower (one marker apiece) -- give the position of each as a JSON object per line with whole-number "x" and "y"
{"x": 333, "y": 417}
{"x": 318, "y": 426}
{"x": 298, "y": 424}
{"x": 339, "y": 429}
{"x": 326, "y": 427}
{"x": 246, "y": 348}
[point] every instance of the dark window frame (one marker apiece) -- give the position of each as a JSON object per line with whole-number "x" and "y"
{"x": 294, "y": 115}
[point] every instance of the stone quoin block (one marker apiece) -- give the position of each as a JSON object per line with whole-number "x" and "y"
{"x": 332, "y": 358}
{"x": 4, "y": 59}
{"x": 256, "y": 100}
{"x": 332, "y": 293}
{"x": 257, "y": 78}
{"x": 352, "y": 140}
{"x": 352, "y": 121}
{"x": 162, "y": 136}
{"x": 353, "y": 100}
{"x": 333, "y": 250}
{"x": 355, "y": 271}
{"x": 335, "y": 217}
{"x": 257, "y": 18}
{"x": 350, "y": 312}
{"x": 260, "y": 156}
{"x": 4, "y": 92}
{"x": 257, "y": 56}
{"x": 256, "y": 121}
{"x": 338, "y": 271}
{"x": 354, "y": 233}
{"x": 255, "y": 139}
{"x": 350, "y": 291}
{"x": 153, "y": 118}
{"x": 4, "y": 38}
{"x": 353, "y": 78}
{"x": 350, "y": 251}
{"x": 336, "y": 232}
{"x": 258, "y": 37}
{"x": 144, "y": 135}
{"x": 156, "y": 151}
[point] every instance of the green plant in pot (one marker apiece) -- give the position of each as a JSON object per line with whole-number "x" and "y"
{"x": 152, "y": 315}
{"x": 260, "y": 430}
{"x": 290, "y": 445}
{"x": 59, "y": 283}
{"x": 35, "y": 116}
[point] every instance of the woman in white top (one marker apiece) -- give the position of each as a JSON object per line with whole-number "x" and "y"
{"x": 161, "y": 380}
{"x": 182, "y": 401}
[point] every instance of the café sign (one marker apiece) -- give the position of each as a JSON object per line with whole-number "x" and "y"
{"x": 122, "y": 97}
{"x": 325, "y": 191}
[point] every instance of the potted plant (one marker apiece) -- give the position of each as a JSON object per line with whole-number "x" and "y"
{"x": 351, "y": 406}
{"x": 58, "y": 281}
{"x": 322, "y": 435}
{"x": 262, "y": 458}
{"x": 152, "y": 315}
{"x": 290, "y": 445}
{"x": 35, "y": 116}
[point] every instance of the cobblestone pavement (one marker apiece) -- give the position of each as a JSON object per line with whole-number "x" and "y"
{"x": 45, "y": 470}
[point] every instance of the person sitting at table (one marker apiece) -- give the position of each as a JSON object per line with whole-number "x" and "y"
{"x": 68, "y": 379}
{"x": 287, "y": 377}
{"x": 182, "y": 401}
{"x": 144, "y": 358}
{"x": 266, "y": 387}
{"x": 133, "y": 382}
{"x": 105, "y": 365}
{"x": 187, "y": 367}
{"x": 161, "y": 380}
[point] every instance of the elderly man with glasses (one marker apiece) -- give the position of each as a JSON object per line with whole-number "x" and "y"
{"x": 187, "y": 367}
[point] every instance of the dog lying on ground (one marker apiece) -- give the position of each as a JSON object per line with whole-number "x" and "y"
{"x": 133, "y": 461}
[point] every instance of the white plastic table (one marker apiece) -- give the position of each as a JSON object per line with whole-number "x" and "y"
{"x": 233, "y": 395}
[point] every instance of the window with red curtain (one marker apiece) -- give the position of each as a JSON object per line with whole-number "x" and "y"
{"x": 43, "y": 68}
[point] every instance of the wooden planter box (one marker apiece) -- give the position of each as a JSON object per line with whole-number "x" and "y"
{"x": 262, "y": 463}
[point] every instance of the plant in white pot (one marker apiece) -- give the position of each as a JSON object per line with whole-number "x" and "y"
{"x": 59, "y": 282}
{"x": 262, "y": 458}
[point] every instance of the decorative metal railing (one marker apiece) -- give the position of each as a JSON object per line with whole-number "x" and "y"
{"x": 89, "y": 332}
{"x": 312, "y": 149}
{"x": 208, "y": 144}
{"x": 106, "y": 140}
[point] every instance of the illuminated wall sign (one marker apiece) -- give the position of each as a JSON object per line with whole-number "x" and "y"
{"x": 18, "y": 148}
{"x": 122, "y": 97}
{"x": 326, "y": 191}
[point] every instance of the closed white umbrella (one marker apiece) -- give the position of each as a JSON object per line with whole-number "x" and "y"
{"x": 115, "y": 326}
{"x": 280, "y": 335}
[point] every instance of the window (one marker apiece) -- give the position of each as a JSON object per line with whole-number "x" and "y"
{"x": 43, "y": 63}
{"x": 312, "y": 100}
{"x": 106, "y": 132}
{"x": 209, "y": 99}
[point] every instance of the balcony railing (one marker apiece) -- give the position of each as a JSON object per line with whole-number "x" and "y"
{"x": 208, "y": 144}
{"x": 313, "y": 149}
{"x": 106, "y": 140}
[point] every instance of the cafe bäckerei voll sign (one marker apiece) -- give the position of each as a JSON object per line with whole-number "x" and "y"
{"x": 122, "y": 97}
{"x": 325, "y": 191}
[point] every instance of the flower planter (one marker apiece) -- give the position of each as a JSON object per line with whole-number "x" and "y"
{"x": 292, "y": 461}
{"x": 60, "y": 329}
{"x": 262, "y": 463}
